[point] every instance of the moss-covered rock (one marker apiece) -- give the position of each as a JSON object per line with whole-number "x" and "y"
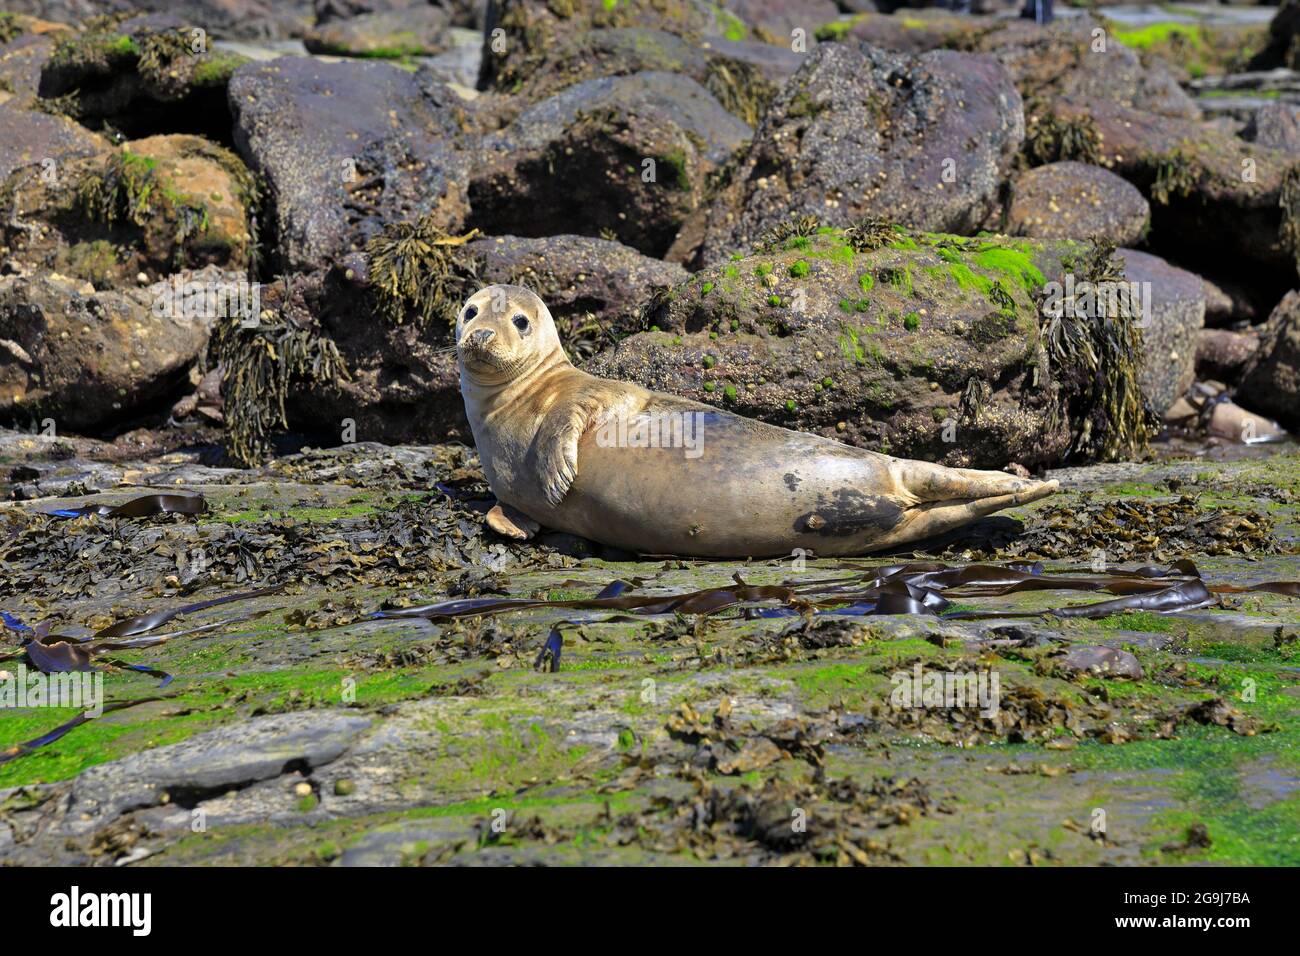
{"x": 924, "y": 346}
{"x": 152, "y": 206}
{"x": 129, "y": 70}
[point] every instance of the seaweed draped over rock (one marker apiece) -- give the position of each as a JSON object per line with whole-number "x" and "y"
{"x": 259, "y": 364}
{"x": 401, "y": 380}
{"x": 919, "y": 345}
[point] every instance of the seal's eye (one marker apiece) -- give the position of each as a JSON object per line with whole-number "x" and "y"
{"x": 521, "y": 322}
{"x": 470, "y": 312}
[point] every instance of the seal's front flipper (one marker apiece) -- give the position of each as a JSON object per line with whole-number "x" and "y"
{"x": 511, "y": 523}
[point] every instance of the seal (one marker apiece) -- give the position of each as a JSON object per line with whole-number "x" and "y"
{"x": 656, "y": 474}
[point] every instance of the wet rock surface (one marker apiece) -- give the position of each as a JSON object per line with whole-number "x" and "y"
{"x": 302, "y": 731}
{"x": 137, "y": 353}
{"x": 1068, "y": 200}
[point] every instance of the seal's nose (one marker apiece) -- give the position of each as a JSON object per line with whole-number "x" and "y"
{"x": 479, "y": 337}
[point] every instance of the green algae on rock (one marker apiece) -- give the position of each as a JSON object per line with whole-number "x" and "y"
{"x": 933, "y": 346}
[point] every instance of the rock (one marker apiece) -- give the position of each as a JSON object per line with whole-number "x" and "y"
{"x": 532, "y": 27}
{"x": 743, "y": 76}
{"x": 775, "y": 20}
{"x": 1212, "y": 196}
{"x": 29, "y": 138}
{"x": 417, "y": 31}
{"x": 1270, "y": 383}
{"x": 1222, "y": 355}
{"x": 222, "y": 19}
{"x": 152, "y": 207}
{"x": 1099, "y": 662}
{"x": 21, "y": 61}
{"x": 405, "y": 382}
{"x": 1283, "y": 47}
{"x": 1169, "y": 334}
{"x": 911, "y": 31}
{"x": 1044, "y": 62}
{"x": 1061, "y": 60}
{"x": 210, "y": 764}
{"x": 1227, "y": 302}
{"x": 580, "y": 158}
{"x": 1076, "y": 201}
{"x": 131, "y": 72}
{"x": 1275, "y": 125}
{"x": 1231, "y": 421}
{"x": 581, "y": 279}
{"x": 383, "y": 148}
{"x": 87, "y": 358}
{"x": 922, "y": 347}
{"x": 924, "y": 141}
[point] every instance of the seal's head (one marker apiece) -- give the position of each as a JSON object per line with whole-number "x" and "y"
{"x": 503, "y": 331}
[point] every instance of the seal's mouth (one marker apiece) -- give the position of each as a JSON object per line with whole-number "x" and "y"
{"x": 484, "y": 358}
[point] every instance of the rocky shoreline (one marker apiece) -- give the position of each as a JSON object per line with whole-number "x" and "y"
{"x": 233, "y": 238}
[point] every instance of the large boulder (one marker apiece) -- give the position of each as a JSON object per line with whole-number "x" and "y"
{"x": 1169, "y": 333}
{"x": 151, "y": 207}
{"x": 924, "y": 345}
{"x": 1076, "y": 201}
{"x": 402, "y": 382}
{"x": 1212, "y": 195}
{"x": 140, "y": 74}
{"x": 519, "y": 33}
{"x": 417, "y": 31}
{"x": 1066, "y": 59}
{"x": 1270, "y": 383}
{"x": 625, "y": 156}
{"x": 346, "y": 147}
{"x": 89, "y": 359}
{"x": 742, "y": 75}
{"x": 1063, "y": 58}
{"x": 1275, "y": 125}
{"x": 922, "y": 140}
{"x": 29, "y": 138}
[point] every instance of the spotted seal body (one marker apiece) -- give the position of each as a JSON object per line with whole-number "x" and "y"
{"x": 653, "y": 473}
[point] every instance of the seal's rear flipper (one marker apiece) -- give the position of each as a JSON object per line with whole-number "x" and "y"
{"x": 511, "y": 523}
{"x": 948, "y": 498}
